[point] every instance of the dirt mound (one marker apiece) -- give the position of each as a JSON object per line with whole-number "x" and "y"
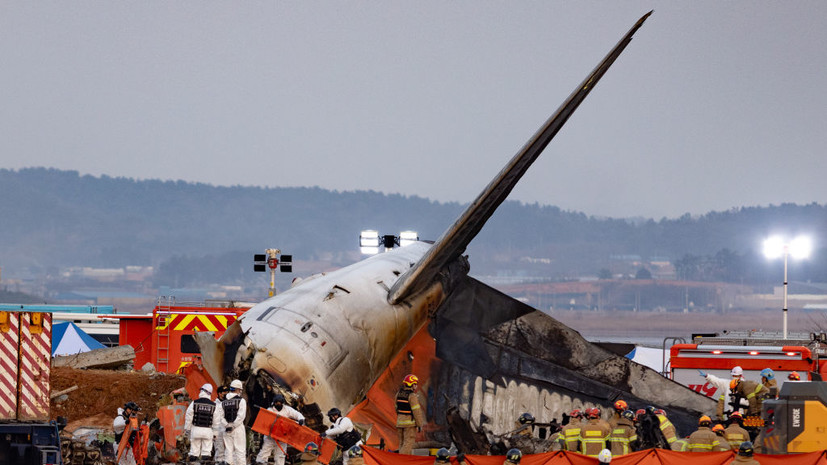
{"x": 101, "y": 392}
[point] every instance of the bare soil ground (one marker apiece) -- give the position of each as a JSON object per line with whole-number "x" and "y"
{"x": 100, "y": 392}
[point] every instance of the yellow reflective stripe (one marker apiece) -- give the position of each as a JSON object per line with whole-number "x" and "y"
{"x": 414, "y": 407}
{"x": 594, "y": 433}
{"x": 701, "y": 446}
{"x": 671, "y": 440}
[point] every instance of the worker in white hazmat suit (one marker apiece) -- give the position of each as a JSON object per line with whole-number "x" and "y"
{"x": 201, "y": 417}
{"x": 270, "y": 446}
{"x": 232, "y": 412}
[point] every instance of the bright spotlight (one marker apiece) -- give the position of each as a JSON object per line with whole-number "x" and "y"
{"x": 774, "y": 247}
{"x": 801, "y": 247}
{"x": 408, "y": 238}
{"x": 369, "y": 242}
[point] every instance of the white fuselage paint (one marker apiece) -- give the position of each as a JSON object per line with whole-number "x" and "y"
{"x": 329, "y": 338}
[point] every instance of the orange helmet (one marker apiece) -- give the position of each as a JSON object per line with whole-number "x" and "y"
{"x": 704, "y": 421}
{"x": 718, "y": 427}
{"x": 621, "y": 405}
{"x": 736, "y": 415}
{"x": 734, "y": 384}
{"x": 410, "y": 380}
{"x": 794, "y": 376}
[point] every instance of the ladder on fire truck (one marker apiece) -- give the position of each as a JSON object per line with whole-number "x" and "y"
{"x": 162, "y": 316}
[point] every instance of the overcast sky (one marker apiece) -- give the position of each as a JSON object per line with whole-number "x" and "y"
{"x": 714, "y": 105}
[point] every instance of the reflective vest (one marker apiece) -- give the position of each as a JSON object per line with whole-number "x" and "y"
{"x": 703, "y": 440}
{"x": 622, "y": 437}
{"x": 667, "y": 429}
{"x": 735, "y": 435}
{"x": 593, "y": 437}
{"x": 571, "y": 436}
{"x": 202, "y": 412}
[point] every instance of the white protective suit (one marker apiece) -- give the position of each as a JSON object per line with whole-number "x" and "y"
{"x": 201, "y": 438}
{"x": 235, "y": 440}
{"x": 270, "y": 446}
{"x": 341, "y": 425}
{"x": 118, "y": 426}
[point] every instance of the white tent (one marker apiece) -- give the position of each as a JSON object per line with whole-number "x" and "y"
{"x": 68, "y": 339}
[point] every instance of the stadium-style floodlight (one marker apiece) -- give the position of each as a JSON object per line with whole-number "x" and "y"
{"x": 777, "y": 246}
{"x": 370, "y": 240}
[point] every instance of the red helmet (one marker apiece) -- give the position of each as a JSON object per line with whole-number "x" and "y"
{"x": 736, "y": 415}
{"x": 576, "y": 413}
{"x": 593, "y": 412}
{"x": 410, "y": 381}
{"x": 621, "y": 405}
{"x": 660, "y": 411}
{"x": 639, "y": 413}
{"x": 794, "y": 376}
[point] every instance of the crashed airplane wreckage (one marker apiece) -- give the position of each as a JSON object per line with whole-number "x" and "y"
{"x": 347, "y": 338}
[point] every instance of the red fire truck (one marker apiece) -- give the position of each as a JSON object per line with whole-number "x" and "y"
{"x": 166, "y": 337}
{"x": 718, "y": 354}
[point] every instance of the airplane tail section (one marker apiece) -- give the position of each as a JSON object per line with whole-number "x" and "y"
{"x": 453, "y": 242}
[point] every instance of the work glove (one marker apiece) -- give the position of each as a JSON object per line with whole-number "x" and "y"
{"x": 702, "y": 373}
{"x": 301, "y": 422}
{"x": 228, "y": 429}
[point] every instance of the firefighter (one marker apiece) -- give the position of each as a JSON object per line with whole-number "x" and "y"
{"x": 703, "y": 440}
{"x": 443, "y": 456}
{"x": 200, "y": 419}
{"x": 513, "y": 456}
{"x": 232, "y": 412}
{"x": 735, "y": 433}
{"x": 594, "y": 435}
{"x": 342, "y": 431}
{"x": 409, "y": 416}
{"x": 623, "y": 438}
{"x": 218, "y": 431}
{"x": 666, "y": 427}
{"x": 129, "y": 410}
{"x": 723, "y": 444}
{"x": 768, "y": 380}
{"x": 311, "y": 453}
{"x": 744, "y": 456}
{"x": 722, "y": 386}
{"x": 525, "y": 426}
{"x": 570, "y": 434}
{"x": 619, "y": 407}
{"x": 753, "y": 392}
{"x": 270, "y": 446}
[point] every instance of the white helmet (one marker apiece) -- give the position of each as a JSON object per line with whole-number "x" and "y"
{"x": 207, "y": 388}
{"x": 236, "y": 384}
{"x": 737, "y": 371}
{"x": 605, "y": 456}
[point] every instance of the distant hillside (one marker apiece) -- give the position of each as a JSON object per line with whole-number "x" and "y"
{"x": 51, "y": 218}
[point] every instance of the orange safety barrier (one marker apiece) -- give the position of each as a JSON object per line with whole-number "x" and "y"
{"x": 289, "y": 432}
{"x": 644, "y": 457}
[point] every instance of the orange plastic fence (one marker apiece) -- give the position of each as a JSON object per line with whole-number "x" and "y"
{"x": 645, "y": 457}
{"x": 290, "y": 432}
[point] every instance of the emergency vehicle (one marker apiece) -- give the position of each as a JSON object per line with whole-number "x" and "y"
{"x": 166, "y": 339}
{"x": 753, "y": 351}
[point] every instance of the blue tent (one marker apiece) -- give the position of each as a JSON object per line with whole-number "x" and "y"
{"x": 68, "y": 339}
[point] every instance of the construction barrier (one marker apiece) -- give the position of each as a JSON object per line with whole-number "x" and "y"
{"x": 644, "y": 457}
{"x": 289, "y": 432}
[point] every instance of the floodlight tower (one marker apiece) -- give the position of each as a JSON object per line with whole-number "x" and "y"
{"x": 775, "y": 247}
{"x": 270, "y": 259}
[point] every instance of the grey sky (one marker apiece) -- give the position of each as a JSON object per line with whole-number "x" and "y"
{"x": 714, "y": 105}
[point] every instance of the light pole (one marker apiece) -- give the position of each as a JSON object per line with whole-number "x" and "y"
{"x": 777, "y": 246}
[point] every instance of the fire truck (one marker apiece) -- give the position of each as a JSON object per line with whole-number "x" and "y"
{"x": 27, "y": 436}
{"x": 166, "y": 339}
{"x": 717, "y": 354}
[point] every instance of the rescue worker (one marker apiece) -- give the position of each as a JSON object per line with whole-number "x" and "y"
{"x": 129, "y": 410}
{"x": 311, "y": 453}
{"x": 722, "y": 387}
{"x": 342, "y": 431}
{"x": 555, "y": 437}
{"x": 666, "y": 427}
{"x": 443, "y": 456}
{"x": 409, "y": 416}
{"x": 270, "y": 446}
{"x": 199, "y": 421}
{"x": 218, "y": 431}
{"x": 605, "y": 456}
{"x": 513, "y": 456}
{"x": 355, "y": 456}
{"x": 735, "y": 433}
{"x": 570, "y": 434}
{"x": 703, "y": 440}
{"x": 723, "y": 444}
{"x": 619, "y": 407}
{"x": 594, "y": 435}
{"x": 648, "y": 430}
{"x": 232, "y": 412}
{"x": 753, "y": 392}
{"x": 744, "y": 456}
{"x": 794, "y": 376}
{"x": 768, "y": 380}
{"x": 525, "y": 426}
{"x": 623, "y": 438}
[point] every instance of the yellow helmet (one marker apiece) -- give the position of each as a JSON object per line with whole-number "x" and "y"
{"x": 705, "y": 421}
